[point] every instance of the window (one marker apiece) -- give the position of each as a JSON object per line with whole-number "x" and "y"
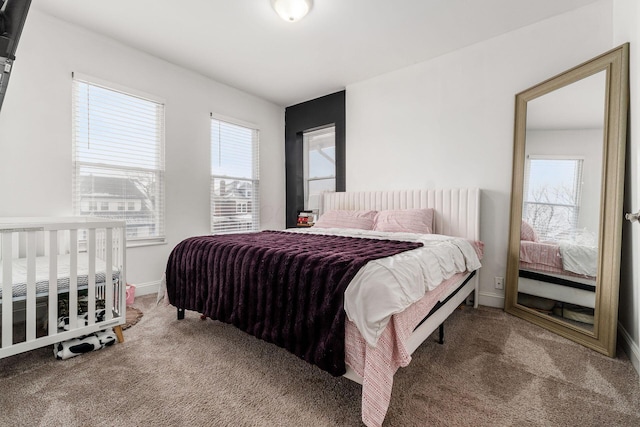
{"x": 235, "y": 185}
{"x": 552, "y": 190}
{"x": 118, "y": 154}
{"x": 319, "y": 164}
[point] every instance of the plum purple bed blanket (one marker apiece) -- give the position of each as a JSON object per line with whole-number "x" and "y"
{"x": 284, "y": 288}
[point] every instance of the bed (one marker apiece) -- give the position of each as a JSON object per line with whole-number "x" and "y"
{"x": 60, "y": 278}
{"x": 558, "y": 277}
{"x": 367, "y": 355}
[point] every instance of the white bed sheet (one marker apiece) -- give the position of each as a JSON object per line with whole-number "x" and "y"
{"x": 387, "y": 286}
{"x": 579, "y": 259}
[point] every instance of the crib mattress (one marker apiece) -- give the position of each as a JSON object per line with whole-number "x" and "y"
{"x": 19, "y": 273}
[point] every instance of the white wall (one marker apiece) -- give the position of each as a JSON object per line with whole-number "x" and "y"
{"x": 35, "y": 136}
{"x": 449, "y": 122}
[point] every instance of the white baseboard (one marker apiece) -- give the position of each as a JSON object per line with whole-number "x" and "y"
{"x": 491, "y": 299}
{"x": 629, "y": 347}
{"x": 147, "y": 288}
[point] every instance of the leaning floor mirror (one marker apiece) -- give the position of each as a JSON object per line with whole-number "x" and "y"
{"x": 563, "y": 264}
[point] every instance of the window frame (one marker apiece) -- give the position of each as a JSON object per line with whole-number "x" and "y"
{"x": 160, "y": 211}
{"x": 330, "y": 128}
{"x": 253, "y": 204}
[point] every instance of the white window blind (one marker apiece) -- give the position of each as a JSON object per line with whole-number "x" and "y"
{"x": 553, "y": 187}
{"x": 235, "y": 185}
{"x": 118, "y": 158}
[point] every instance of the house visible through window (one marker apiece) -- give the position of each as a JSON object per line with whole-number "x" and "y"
{"x": 319, "y": 164}
{"x": 235, "y": 189}
{"x": 118, "y": 157}
{"x": 552, "y": 191}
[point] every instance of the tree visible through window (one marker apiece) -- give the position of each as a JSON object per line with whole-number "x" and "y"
{"x": 118, "y": 158}
{"x": 553, "y": 188}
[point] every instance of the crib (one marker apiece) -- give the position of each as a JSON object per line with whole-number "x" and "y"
{"x": 51, "y": 265}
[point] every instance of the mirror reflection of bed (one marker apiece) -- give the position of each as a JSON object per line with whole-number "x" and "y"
{"x": 558, "y": 278}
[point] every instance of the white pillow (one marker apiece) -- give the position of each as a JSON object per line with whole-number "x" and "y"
{"x": 362, "y": 220}
{"x": 405, "y": 220}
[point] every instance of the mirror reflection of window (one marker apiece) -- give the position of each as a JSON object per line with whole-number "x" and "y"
{"x": 552, "y": 194}
{"x": 319, "y": 164}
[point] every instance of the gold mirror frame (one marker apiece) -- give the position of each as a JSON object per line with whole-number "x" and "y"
{"x": 603, "y": 336}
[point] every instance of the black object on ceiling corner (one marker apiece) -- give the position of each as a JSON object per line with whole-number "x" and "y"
{"x": 13, "y": 14}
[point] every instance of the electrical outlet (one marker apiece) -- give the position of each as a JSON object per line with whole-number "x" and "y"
{"x": 499, "y": 282}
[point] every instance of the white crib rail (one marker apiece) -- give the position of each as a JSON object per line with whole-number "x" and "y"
{"x": 26, "y": 239}
{"x": 7, "y": 289}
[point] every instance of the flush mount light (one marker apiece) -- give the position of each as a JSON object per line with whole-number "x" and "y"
{"x": 291, "y": 10}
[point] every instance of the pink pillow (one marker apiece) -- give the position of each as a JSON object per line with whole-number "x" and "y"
{"x": 528, "y": 233}
{"x": 362, "y": 220}
{"x": 405, "y": 220}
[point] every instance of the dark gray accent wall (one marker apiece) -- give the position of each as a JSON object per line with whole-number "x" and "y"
{"x": 320, "y": 112}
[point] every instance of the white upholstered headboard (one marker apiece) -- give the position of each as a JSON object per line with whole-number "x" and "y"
{"x": 457, "y": 211}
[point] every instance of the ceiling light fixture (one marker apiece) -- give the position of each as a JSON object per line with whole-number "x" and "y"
{"x": 291, "y": 10}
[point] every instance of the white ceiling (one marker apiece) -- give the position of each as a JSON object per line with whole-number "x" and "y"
{"x": 245, "y": 44}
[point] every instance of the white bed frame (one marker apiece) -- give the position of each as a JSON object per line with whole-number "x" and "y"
{"x": 30, "y": 238}
{"x": 457, "y": 213}
{"x": 557, "y": 292}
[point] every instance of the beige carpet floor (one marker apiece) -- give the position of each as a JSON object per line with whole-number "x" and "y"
{"x": 493, "y": 370}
